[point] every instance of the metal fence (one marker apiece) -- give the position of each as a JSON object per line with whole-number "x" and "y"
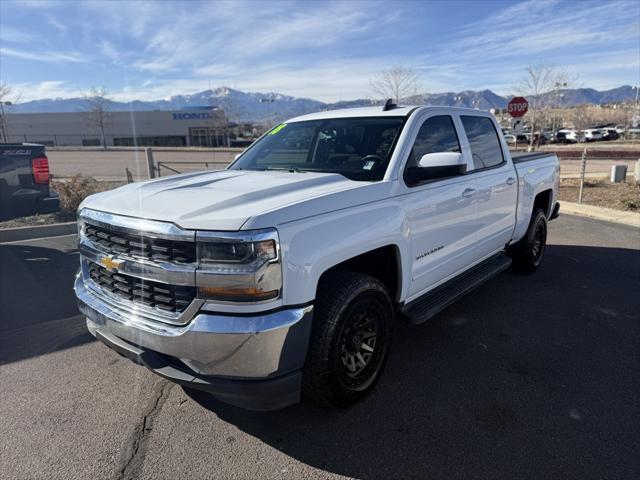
{"x": 128, "y": 140}
{"x": 171, "y": 168}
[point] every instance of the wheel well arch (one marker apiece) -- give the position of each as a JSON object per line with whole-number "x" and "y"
{"x": 543, "y": 201}
{"x": 383, "y": 263}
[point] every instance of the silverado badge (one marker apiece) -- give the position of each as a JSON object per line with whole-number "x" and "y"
{"x": 111, "y": 263}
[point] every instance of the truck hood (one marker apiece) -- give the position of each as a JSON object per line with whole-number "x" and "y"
{"x": 223, "y": 200}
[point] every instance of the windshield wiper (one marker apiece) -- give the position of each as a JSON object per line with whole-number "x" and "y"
{"x": 285, "y": 169}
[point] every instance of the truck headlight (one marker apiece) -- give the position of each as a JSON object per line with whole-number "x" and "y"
{"x": 238, "y": 266}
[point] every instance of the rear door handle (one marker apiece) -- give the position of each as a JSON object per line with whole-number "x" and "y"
{"x": 468, "y": 192}
{"x": 511, "y": 181}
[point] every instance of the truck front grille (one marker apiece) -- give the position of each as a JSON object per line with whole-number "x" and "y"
{"x": 140, "y": 246}
{"x": 168, "y": 298}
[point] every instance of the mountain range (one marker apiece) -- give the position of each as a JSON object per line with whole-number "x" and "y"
{"x": 252, "y": 106}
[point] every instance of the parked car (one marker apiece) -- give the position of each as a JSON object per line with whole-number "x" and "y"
{"x": 285, "y": 273}
{"x": 568, "y": 136}
{"x": 592, "y": 135}
{"x": 24, "y": 181}
{"x": 633, "y": 132}
{"x": 510, "y": 139}
{"x": 548, "y": 136}
{"x": 610, "y": 133}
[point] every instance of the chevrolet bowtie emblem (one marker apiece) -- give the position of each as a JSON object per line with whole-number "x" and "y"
{"x": 111, "y": 263}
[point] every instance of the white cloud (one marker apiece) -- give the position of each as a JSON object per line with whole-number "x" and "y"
{"x": 57, "y": 24}
{"x": 537, "y": 27}
{"x": 43, "y": 56}
{"x": 41, "y": 4}
{"x": 109, "y": 50}
{"x": 218, "y": 32}
{"x": 327, "y": 50}
{"x": 47, "y": 89}
{"x": 15, "y": 35}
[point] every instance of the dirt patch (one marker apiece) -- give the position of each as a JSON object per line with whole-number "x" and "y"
{"x": 602, "y": 193}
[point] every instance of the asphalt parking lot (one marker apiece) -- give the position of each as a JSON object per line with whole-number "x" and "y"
{"x": 528, "y": 377}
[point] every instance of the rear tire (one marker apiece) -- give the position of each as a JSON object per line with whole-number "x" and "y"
{"x": 350, "y": 339}
{"x": 528, "y": 253}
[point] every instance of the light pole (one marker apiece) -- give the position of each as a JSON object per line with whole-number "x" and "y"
{"x": 268, "y": 101}
{"x": 555, "y": 117}
{"x": 636, "y": 116}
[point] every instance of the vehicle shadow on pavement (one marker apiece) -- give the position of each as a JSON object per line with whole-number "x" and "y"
{"x": 39, "y": 313}
{"x": 528, "y": 377}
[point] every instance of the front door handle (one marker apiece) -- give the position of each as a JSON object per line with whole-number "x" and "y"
{"x": 468, "y": 192}
{"x": 511, "y": 181}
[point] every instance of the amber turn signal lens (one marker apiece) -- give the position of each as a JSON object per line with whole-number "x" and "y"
{"x": 236, "y": 294}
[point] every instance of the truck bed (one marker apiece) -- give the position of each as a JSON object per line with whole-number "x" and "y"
{"x": 521, "y": 157}
{"x": 537, "y": 172}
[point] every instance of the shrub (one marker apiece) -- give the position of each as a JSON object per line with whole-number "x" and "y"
{"x": 631, "y": 204}
{"x": 72, "y": 192}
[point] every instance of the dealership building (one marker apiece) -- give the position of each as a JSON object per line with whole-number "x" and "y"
{"x": 198, "y": 127}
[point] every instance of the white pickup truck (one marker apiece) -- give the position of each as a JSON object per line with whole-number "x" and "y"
{"x": 282, "y": 276}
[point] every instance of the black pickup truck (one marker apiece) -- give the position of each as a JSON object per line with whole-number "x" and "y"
{"x": 24, "y": 181}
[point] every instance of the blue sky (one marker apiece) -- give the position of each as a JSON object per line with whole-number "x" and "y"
{"x": 319, "y": 49}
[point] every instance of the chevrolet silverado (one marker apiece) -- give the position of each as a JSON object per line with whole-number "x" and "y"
{"x": 282, "y": 277}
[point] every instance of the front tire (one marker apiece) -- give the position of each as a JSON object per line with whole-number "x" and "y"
{"x": 350, "y": 339}
{"x": 527, "y": 255}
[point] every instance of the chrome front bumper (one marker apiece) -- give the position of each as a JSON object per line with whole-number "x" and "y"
{"x": 247, "y": 347}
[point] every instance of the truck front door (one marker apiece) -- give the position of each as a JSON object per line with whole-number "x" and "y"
{"x": 441, "y": 214}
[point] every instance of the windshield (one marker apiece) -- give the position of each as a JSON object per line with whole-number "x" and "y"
{"x": 358, "y": 148}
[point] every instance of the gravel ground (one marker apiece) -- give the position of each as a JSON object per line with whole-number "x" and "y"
{"x": 602, "y": 193}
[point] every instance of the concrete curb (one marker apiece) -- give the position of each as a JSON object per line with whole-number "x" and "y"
{"x": 39, "y": 231}
{"x": 601, "y": 213}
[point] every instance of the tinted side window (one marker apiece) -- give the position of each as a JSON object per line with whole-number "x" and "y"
{"x": 437, "y": 134}
{"x": 483, "y": 140}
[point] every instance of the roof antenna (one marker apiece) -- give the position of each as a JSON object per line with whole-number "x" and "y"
{"x": 389, "y": 105}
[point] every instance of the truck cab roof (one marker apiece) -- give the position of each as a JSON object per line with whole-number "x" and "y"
{"x": 375, "y": 111}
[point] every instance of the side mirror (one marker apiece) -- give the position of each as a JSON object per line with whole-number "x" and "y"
{"x": 437, "y": 165}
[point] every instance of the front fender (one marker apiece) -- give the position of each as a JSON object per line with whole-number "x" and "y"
{"x": 312, "y": 246}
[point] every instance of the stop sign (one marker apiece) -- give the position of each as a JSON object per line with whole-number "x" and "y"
{"x": 518, "y": 106}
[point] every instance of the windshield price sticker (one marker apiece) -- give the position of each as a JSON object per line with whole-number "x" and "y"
{"x": 277, "y": 129}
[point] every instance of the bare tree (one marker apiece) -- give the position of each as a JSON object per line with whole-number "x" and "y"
{"x": 229, "y": 104}
{"x": 232, "y": 112}
{"x": 5, "y": 92}
{"x": 562, "y": 81}
{"x": 98, "y": 103}
{"x": 537, "y": 87}
{"x": 582, "y": 116}
{"x": 397, "y": 83}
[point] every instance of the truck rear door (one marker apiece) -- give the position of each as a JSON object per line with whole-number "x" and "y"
{"x": 495, "y": 182}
